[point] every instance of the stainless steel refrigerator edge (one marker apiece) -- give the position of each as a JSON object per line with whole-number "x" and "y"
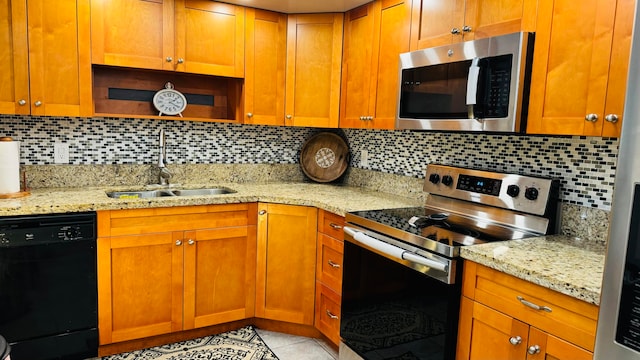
{"x": 627, "y": 177}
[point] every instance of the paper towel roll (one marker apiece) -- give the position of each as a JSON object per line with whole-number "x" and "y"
{"x": 9, "y": 167}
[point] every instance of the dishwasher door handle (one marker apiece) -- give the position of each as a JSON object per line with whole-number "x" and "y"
{"x": 394, "y": 251}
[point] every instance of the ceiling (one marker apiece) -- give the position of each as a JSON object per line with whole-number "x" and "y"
{"x": 301, "y": 6}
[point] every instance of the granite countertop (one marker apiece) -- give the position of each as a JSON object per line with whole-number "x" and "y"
{"x": 561, "y": 263}
{"x": 334, "y": 198}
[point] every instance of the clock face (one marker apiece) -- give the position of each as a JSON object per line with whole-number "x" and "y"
{"x": 169, "y": 102}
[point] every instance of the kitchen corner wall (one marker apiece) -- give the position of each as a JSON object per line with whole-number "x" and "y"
{"x": 585, "y": 165}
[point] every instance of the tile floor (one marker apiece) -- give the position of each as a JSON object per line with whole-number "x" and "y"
{"x": 291, "y": 347}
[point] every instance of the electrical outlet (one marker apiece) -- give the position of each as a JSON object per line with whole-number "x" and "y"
{"x": 364, "y": 158}
{"x": 60, "y": 153}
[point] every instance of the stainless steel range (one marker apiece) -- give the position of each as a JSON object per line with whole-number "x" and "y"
{"x": 402, "y": 271}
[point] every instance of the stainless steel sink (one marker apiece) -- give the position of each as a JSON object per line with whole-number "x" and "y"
{"x": 143, "y": 194}
{"x": 196, "y": 192}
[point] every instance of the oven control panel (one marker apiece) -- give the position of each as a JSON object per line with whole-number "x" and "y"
{"x": 524, "y": 193}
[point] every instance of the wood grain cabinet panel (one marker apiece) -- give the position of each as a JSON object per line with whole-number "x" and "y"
{"x": 314, "y": 55}
{"x": 374, "y": 37}
{"x": 285, "y": 289}
{"x": 580, "y": 66}
{"x": 442, "y": 22}
{"x": 195, "y": 36}
{"x": 265, "y": 59}
{"x": 45, "y": 67}
{"x": 497, "y": 323}
{"x": 169, "y": 276}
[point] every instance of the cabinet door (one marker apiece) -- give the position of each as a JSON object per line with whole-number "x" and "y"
{"x": 265, "y": 61}
{"x": 209, "y": 38}
{"x": 488, "y": 18}
{"x": 485, "y": 333}
{"x": 391, "y": 40}
{"x": 285, "y": 287}
{"x": 357, "y": 74}
{"x": 59, "y": 57}
{"x": 140, "y": 285}
{"x": 553, "y": 348}
{"x": 219, "y": 275}
{"x": 433, "y": 21}
{"x": 571, "y": 67}
{"x": 14, "y": 57}
{"x": 133, "y": 33}
{"x": 314, "y": 54}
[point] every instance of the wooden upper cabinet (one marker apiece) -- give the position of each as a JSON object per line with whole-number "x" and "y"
{"x": 374, "y": 37}
{"x": 196, "y": 36}
{"x": 442, "y": 22}
{"x": 46, "y": 68}
{"x": 265, "y": 62}
{"x": 314, "y": 55}
{"x": 580, "y": 67}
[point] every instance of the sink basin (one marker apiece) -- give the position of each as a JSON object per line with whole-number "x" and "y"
{"x": 196, "y": 192}
{"x": 142, "y": 194}
{"x": 139, "y": 194}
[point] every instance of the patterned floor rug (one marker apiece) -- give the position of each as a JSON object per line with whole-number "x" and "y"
{"x": 241, "y": 344}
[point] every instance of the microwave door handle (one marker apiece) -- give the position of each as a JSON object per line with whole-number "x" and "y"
{"x": 472, "y": 86}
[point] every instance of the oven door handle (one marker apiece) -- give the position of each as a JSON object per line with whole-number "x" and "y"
{"x": 394, "y": 251}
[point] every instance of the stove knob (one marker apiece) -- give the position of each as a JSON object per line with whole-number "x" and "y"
{"x": 513, "y": 190}
{"x": 447, "y": 180}
{"x": 531, "y": 193}
{"x": 434, "y": 178}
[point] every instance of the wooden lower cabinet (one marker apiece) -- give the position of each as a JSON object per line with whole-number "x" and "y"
{"x": 165, "y": 270}
{"x": 286, "y": 260}
{"x": 329, "y": 274}
{"x": 494, "y": 324}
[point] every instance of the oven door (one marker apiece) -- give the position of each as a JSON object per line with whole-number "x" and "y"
{"x": 394, "y": 311}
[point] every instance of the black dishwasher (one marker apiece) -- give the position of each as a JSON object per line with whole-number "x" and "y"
{"x": 48, "y": 286}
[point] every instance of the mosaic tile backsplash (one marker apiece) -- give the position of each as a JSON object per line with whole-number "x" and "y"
{"x": 585, "y": 165}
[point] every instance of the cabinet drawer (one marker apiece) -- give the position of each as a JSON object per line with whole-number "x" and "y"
{"x": 331, "y": 224}
{"x": 564, "y": 316}
{"x": 327, "y": 318}
{"x": 329, "y": 262}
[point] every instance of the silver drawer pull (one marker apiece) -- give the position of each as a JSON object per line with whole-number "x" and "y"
{"x": 532, "y": 305}
{"x": 335, "y": 226}
{"x": 533, "y": 349}
{"x": 515, "y": 340}
{"x": 334, "y": 317}
{"x": 333, "y": 265}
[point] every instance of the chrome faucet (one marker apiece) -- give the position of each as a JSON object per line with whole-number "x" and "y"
{"x": 165, "y": 174}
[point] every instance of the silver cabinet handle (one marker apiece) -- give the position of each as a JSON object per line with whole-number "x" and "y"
{"x": 455, "y": 31}
{"x": 335, "y": 226}
{"x": 37, "y": 103}
{"x": 466, "y": 28}
{"x": 515, "y": 340}
{"x": 532, "y": 305}
{"x": 334, "y": 317}
{"x": 180, "y": 60}
{"x": 22, "y": 102}
{"x": 333, "y": 265}
{"x": 169, "y": 59}
{"x": 191, "y": 242}
{"x": 612, "y": 118}
{"x": 289, "y": 117}
{"x": 591, "y": 117}
{"x": 249, "y": 115}
{"x": 533, "y": 349}
{"x": 262, "y": 212}
{"x": 178, "y": 242}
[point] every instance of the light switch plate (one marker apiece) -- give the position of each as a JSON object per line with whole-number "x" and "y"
{"x": 60, "y": 153}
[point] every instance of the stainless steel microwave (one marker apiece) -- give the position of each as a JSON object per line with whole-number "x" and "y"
{"x": 479, "y": 85}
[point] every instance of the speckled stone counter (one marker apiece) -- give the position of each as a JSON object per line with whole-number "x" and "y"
{"x": 565, "y": 264}
{"x": 336, "y": 199}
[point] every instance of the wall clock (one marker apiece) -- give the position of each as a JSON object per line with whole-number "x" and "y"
{"x": 169, "y": 101}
